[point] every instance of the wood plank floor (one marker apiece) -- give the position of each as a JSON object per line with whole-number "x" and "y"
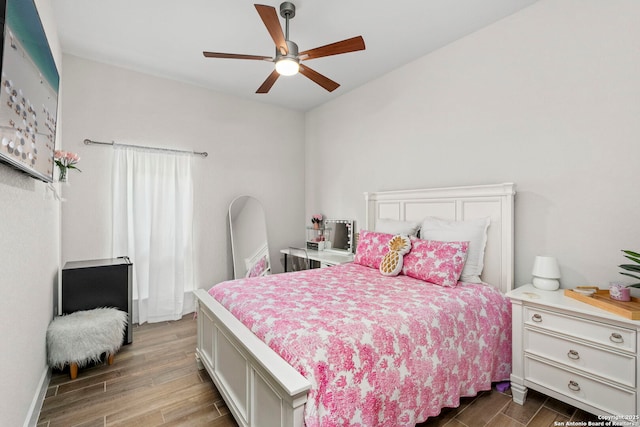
{"x": 155, "y": 382}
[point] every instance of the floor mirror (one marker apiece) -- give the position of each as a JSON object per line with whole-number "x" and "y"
{"x": 248, "y": 227}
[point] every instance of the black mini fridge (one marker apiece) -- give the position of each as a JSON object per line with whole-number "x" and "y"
{"x": 99, "y": 283}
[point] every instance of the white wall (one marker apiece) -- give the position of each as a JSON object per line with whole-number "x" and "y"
{"x": 548, "y": 98}
{"x": 249, "y": 153}
{"x": 29, "y": 260}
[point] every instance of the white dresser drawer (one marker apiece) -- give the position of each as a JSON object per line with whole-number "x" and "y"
{"x": 601, "y": 395}
{"x": 614, "y": 366}
{"x": 601, "y": 333}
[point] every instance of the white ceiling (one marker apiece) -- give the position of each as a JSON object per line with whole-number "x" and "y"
{"x": 166, "y": 38}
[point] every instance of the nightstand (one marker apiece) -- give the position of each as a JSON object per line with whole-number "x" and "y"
{"x": 574, "y": 352}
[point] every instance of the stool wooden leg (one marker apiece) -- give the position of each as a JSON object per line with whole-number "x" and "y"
{"x": 110, "y": 359}
{"x": 73, "y": 370}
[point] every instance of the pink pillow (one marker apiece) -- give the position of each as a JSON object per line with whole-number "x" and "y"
{"x": 258, "y": 268}
{"x": 436, "y": 262}
{"x": 372, "y": 247}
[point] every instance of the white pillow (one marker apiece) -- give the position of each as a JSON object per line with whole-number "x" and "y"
{"x": 394, "y": 226}
{"x": 473, "y": 231}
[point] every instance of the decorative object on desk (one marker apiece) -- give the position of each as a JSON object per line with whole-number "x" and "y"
{"x": 635, "y": 257}
{"x": 316, "y": 237}
{"x": 340, "y": 235}
{"x": 586, "y": 290}
{"x": 66, "y": 160}
{"x": 315, "y": 245}
{"x": 316, "y": 220}
{"x": 546, "y": 273}
{"x": 619, "y": 291}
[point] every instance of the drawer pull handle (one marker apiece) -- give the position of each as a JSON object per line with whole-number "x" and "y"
{"x": 616, "y": 337}
{"x": 573, "y": 355}
{"x": 573, "y": 386}
{"x": 536, "y": 318}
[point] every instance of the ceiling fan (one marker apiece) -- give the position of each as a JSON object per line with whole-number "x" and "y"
{"x": 287, "y": 59}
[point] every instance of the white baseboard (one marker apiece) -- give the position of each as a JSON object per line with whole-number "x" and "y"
{"x": 38, "y": 399}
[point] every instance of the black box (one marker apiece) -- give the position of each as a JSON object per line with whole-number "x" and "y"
{"x": 99, "y": 283}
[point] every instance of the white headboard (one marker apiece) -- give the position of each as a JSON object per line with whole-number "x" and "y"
{"x": 458, "y": 203}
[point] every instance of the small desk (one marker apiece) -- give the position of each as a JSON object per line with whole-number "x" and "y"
{"x": 325, "y": 258}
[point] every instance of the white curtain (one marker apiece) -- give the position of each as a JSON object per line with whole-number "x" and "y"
{"x": 152, "y": 224}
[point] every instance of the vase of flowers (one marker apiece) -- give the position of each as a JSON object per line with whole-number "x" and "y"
{"x": 65, "y": 160}
{"x": 316, "y": 220}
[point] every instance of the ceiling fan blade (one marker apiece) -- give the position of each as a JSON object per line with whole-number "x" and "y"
{"x": 266, "y": 86}
{"x": 271, "y": 21}
{"x": 349, "y": 45}
{"x": 235, "y": 56}
{"x": 323, "y": 81}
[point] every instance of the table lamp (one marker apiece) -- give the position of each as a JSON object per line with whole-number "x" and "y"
{"x": 546, "y": 273}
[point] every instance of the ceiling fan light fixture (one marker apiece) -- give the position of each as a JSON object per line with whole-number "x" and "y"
{"x": 287, "y": 66}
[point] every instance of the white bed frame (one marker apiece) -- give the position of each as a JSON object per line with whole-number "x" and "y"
{"x": 259, "y": 387}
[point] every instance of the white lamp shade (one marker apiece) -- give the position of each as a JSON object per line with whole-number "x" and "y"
{"x": 546, "y": 273}
{"x": 546, "y": 267}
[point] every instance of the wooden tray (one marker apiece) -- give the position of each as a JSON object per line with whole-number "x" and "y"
{"x": 628, "y": 309}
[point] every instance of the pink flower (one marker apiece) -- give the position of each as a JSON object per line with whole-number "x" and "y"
{"x": 66, "y": 160}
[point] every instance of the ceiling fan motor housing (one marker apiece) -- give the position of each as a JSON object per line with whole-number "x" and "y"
{"x": 287, "y": 10}
{"x": 293, "y": 51}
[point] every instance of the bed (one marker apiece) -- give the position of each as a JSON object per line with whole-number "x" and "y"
{"x": 275, "y": 367}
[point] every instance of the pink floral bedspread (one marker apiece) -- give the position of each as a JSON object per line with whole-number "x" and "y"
{"x": 377, "y": 350}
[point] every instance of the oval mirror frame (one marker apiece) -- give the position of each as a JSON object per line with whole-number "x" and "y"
{"x": 249, "y": 244}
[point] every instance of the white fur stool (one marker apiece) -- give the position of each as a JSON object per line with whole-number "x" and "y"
{"x": 82, "y": 337}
